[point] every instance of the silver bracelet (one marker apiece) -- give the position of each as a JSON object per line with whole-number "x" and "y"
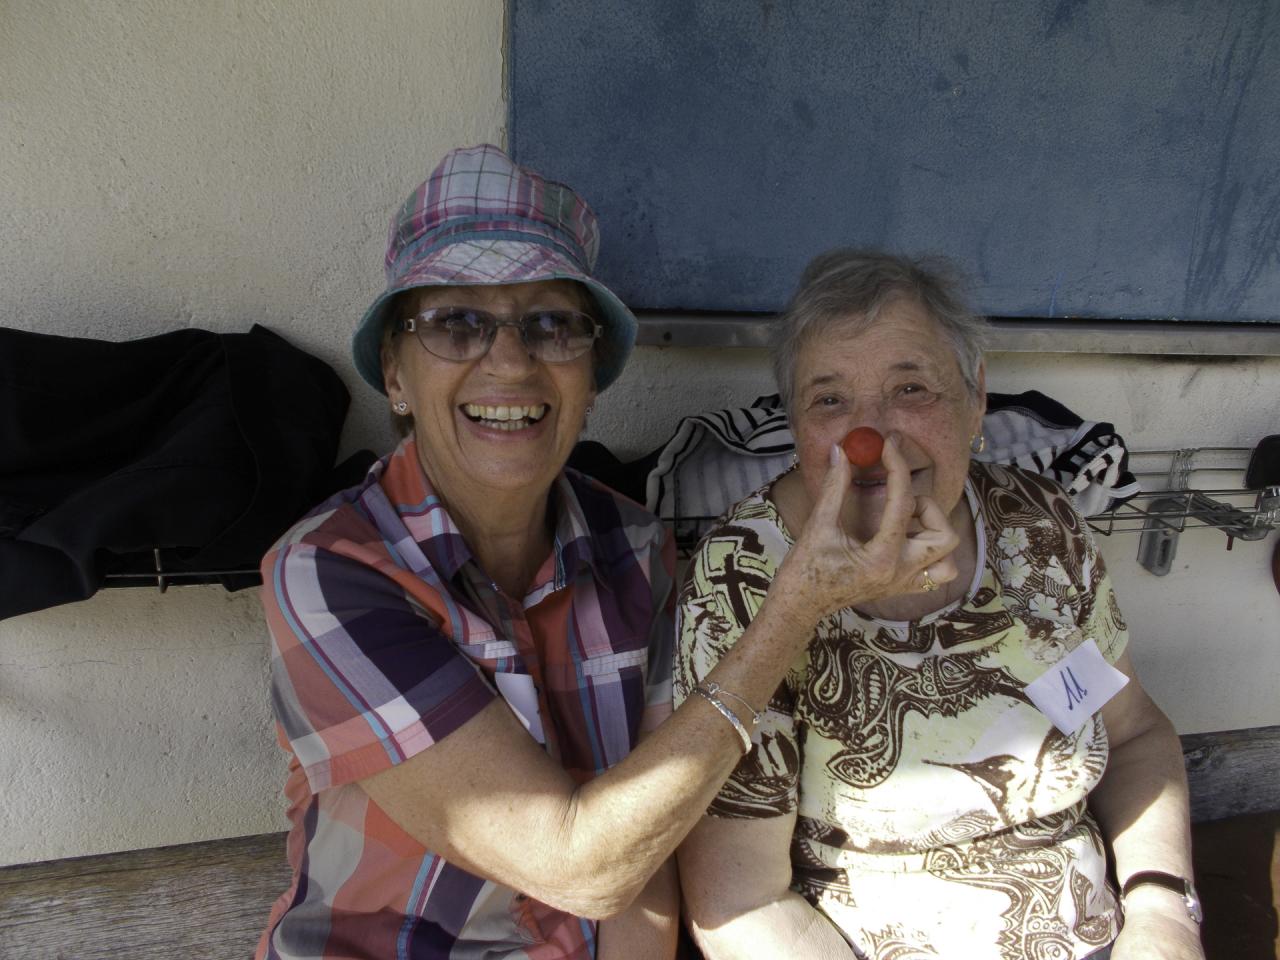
{"x": 728, "y": 715}
{"x": 713, "y": 688}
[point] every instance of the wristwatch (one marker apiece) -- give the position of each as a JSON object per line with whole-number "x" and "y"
{"x": 1179, "y": 885}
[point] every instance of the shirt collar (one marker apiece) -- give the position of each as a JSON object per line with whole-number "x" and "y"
{"x": 428, "y": 522}
{"x": 574, "y": 539}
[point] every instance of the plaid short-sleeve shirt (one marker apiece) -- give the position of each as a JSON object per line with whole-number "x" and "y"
{"x": 386, "y": 637}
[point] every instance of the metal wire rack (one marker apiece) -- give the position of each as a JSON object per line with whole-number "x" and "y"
{"x": 1190, "y": 487}
{"x": 164, "y": 577}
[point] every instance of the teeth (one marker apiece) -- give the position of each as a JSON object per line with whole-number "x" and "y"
{"x": 506, "y": 417}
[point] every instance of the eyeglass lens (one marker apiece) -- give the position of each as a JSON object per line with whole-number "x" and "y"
{"x": 464, "y": 333}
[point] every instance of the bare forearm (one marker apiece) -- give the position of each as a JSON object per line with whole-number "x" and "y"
{"x": 649, "y": 928}
{"x": 644, "y": 806}
{"x": 588, "y": 849}
{"x": 1142, "y": 806}
{"x": 638, "y": 812}
{"x": 785, "y": 927}
{"x": 683, "y": 763}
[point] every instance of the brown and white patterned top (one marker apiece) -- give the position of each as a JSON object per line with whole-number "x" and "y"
{"x": 938, "y": 812}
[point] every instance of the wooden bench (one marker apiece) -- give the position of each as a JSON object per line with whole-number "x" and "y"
{"x": 197, "y": 901}
{"x": 209, "y": 901}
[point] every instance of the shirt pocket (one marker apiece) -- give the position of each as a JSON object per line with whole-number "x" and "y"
{"x": 597, "y": 705}
{"x": 613, "y": 664}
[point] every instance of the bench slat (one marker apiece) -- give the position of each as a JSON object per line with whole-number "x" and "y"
{"x": 205, "y": 901}
{"x": 1232, "y": 772}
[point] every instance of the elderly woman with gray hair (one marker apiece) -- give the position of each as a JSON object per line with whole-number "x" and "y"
{"x": 941, "y": 771}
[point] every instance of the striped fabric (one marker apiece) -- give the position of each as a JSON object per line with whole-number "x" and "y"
{"x": 1086, "y": 458}
{"x": 714, "y": 460}
{"x": 387, "y": 637}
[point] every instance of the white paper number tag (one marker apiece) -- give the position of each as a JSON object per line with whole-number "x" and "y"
{"x": 518, "y": 690}
{"x": 1076, "y": 687}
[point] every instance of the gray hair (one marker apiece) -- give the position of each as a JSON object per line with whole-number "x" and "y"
{"x": 847, "y": 288}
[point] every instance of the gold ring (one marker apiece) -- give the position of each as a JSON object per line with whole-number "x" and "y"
{"x": 928, "y": 585}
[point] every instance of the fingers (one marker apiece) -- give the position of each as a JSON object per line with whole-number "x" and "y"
{"x": 933, "y": 546}
{"x": 835, "y": 485}
{"x": 911, "y": 550}
{"x": 934, "y": 575}
{"x": 899, "y": 504}
{"x": 932, "y": 520}
{"x": 936, "y": 536}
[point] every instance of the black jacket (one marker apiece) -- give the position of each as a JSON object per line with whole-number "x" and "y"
{"x": 206, "y": 446}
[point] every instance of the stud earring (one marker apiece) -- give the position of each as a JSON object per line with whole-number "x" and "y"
{"x": 977, "y": 443}
{"x": 401, "y": 408}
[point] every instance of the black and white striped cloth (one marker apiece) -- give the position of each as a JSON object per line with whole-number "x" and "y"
{"x": 715, "y": 459}
{"x": 1087, "y": 458}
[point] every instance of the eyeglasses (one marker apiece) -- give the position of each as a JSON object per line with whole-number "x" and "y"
{"x": 465, "y": 333}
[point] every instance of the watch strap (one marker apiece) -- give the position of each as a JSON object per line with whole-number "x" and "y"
{"x": 1170, "y": 881}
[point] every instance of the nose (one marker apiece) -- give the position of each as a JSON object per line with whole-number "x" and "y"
{"x": 870, "y": 412}
{"x": 508, "y": 354}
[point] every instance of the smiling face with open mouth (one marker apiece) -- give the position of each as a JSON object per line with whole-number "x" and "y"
{"x": 897, "y": 375}
{"x": 500, "y": 425}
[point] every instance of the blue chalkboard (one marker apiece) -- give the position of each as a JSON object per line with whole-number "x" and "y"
{"x": 1090, "y": 158}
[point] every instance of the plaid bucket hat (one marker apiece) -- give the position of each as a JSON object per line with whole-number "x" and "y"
{"x": 481, "y": 219}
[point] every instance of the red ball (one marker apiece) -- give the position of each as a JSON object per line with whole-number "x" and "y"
{"x": 863, "y": 446}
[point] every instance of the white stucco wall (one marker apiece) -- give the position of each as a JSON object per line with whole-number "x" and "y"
{"x": 218, "y": 164}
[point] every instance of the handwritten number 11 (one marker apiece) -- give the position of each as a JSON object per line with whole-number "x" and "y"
{"x": 1075, "y": 692}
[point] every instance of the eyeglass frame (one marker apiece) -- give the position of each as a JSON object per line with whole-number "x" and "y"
{"x": 410, "y": 325}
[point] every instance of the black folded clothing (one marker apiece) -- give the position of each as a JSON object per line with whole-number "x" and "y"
{"x": 205, "y": 446}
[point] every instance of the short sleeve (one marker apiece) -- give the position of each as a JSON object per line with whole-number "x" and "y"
{"x": 724, "y": 588}
{"x": 1047, "y": 560}
{"x": 657, "y": 680}
{"x": 1100, "y": 618}
{"x": 362, "y": 677}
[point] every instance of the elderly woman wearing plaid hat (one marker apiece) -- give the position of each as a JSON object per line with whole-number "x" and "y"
{"x": 472, "y": 649}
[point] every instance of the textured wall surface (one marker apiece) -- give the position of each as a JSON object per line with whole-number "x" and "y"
{"x": 238, "y": 162}
{"x": 135, "y": 720}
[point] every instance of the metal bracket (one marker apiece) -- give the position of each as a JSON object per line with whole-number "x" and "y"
{"x": 1159, "y": 544}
